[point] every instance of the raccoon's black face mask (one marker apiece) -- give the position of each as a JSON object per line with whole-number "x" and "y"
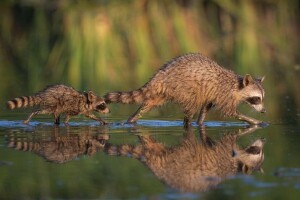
{"x": 253, "y": 92}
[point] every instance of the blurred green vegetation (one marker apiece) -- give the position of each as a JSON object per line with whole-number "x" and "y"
{"x": 118, "y": 45}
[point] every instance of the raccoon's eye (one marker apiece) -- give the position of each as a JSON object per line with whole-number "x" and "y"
{"x": 253, "y": 100}
{"x": 253, "y": 150}
{"x": 102, "y": 106}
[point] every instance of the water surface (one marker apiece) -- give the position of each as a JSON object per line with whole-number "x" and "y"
{"x": 29, "y": 170}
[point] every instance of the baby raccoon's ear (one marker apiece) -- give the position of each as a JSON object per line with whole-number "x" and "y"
{"x": 247, "y": 80}
{"x": 91, "y": 96}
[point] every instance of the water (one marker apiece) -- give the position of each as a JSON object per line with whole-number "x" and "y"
{"x": 41, "y": 160}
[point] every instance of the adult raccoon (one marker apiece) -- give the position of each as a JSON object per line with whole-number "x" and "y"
{"x": 197, "y": 84}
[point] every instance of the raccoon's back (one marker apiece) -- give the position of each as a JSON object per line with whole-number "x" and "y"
{"x": 190, "y": 67}
{"x": 59, "y": 90}
{"x": 194, "y": 79}
{"x": 59, "y": 95}
{"x": 50, "y": 96}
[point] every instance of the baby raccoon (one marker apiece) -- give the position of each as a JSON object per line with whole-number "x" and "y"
{"x": 197, "y": 84}
{"x": 59, "y": 99}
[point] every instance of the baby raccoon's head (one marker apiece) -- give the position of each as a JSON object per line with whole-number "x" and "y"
{"x": 252, "y": 92}
{"x": 251, "y": 158}
{"x": 96, "y": 103}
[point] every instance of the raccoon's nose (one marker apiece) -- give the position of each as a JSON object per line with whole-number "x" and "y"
{"x": 263, "y": 110}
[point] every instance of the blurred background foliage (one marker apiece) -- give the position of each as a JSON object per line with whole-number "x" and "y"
{"x": 118, "y": 45}
{"x": 107, "y": 45}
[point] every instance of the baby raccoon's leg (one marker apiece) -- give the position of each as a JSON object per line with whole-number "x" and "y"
{"x": 139, "y": 113}
{"x": 204, "y": 109}
{"x": 30, "y": 117}
{"x": 33, "y": 114}
{"x": 92, "y": 116}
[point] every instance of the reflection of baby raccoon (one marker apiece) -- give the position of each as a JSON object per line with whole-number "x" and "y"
{"x": 59, "y": 99}
{"x": 196, "y": 83}
{"x": 61, "y": 149}
{"x": 194, "y": 165}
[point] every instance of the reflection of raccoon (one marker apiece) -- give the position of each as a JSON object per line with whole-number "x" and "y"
{"x": 197, "y": 84}
{"x": 63, "y": 148}
{"x": 194, "y": 165}
{"x": 60, "y": 99}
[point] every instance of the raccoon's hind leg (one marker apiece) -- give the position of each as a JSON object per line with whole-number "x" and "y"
{"x": 139, "y": 113}
{"x": 204, "y": 109}
{"x": 33, "y": 114}
{"x": 30, "y": 117}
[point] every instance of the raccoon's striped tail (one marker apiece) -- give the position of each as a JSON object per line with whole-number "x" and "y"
{"x": 24, "y": 145}
{"x": 124, "y": 150}
{"x": 135, "y": 96}
{"x": 23, "y": 101}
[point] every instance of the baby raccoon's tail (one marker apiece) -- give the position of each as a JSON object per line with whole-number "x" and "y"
{"x": 124, "y": 150}
{"x": 135, "y": 96}
{"x": 23, "y": 101}
{"x": 24, "y": 145}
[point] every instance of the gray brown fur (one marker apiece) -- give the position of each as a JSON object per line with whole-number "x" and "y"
{"x": 194, "y": 165}
{"x": 197, "y": 84}
{"x": 61, "y": 99}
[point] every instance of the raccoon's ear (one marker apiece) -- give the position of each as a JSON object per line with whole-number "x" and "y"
{"x": 91, "y": 96}
{"x": 261, "y": 79}
{"x": 247, "y": 80}
{"x": 261, "y": 170}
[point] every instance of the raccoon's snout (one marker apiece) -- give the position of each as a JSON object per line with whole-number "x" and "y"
{"x": 102, "y": 108}
{"x": 259, "y": 108}
{"x": 262, "y": 109}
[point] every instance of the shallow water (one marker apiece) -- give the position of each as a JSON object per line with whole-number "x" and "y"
{"x": 41, "y": 160}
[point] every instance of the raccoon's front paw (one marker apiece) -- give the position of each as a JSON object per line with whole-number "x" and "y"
{"x": 130, "y": 121}
{"x": 103, "y": 122}
{"x": 26, "y": 122}
{"x": 263, "y": 124}
{"x": 249, "y": 119}
{"x": 254, "y": 121}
